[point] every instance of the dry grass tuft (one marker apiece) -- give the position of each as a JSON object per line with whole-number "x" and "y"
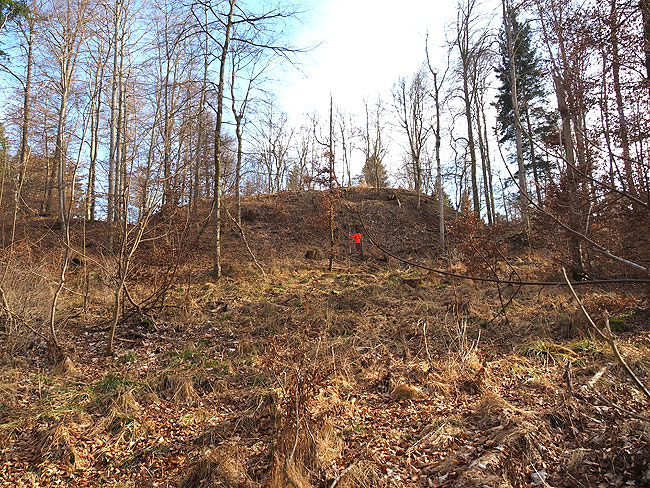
{"x": 490, "y": 409}
{"x": 182, "y": 389}
{"x": 405, "y": 391}
{"x": 329, "y": 445}
{"x": 120, "y": 417}
{"x": 304, "y": 456}
{"x": 363, "y": 474}
{"x": 288, "y": 473}
{"x": 66, "y": 368}
{"x": 58, "y": 441}
{"x": 222, "y": 467}
{"x": 125, "y": 403}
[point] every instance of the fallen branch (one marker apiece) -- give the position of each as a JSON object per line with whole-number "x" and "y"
{"x": 621, "y": 409}
{"x": 577, "y": 233}
{"x": 608, "y": 337}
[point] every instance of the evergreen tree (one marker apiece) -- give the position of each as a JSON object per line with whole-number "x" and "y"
{"x": 374, "y": 173}
{"x": 10, "y": 9}
{"x": 537, "y": 122}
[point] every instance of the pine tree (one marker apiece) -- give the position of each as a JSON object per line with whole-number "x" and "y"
{"x": 8, "y": 10}
{"x": 536, "y": 121}
{"x": 374, "y": 173}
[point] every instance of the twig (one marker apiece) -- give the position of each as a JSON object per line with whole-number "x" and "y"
{"x": 621, "y": 409}
{"x": 569, "y": 378}
{"x": 122, "y": 339}
{"x": 343, "y": 473}
{"x": 494, "y": 280}
{"x": 608, "y": 337}
{"x": 426, "y": 343}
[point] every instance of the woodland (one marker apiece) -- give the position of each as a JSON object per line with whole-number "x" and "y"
{"x": 181, "y": 302}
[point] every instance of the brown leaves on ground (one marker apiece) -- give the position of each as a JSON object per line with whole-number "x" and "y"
{"x": 374, "y": 375}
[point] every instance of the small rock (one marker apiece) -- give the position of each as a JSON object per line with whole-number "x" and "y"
{"x": 538, "y": 478}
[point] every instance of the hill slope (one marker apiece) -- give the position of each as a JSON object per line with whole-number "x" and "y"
{"x": 374, "y": 374}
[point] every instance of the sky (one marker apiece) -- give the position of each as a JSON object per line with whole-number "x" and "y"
{"x": 362, "y": 48}
{"x": 359, "y": 50}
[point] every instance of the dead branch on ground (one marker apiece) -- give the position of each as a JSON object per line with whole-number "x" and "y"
{"x": 608, "y": 337}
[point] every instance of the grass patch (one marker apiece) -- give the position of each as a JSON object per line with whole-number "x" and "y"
{"x": 546, "y": 350}
{"x": 112, "y": 383}
{"x": 128, "y": 357}
{"x": 189, "y": 354}
{"x": 586, "y": 346}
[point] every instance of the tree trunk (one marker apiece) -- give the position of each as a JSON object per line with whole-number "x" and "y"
{"x": 441, "y": 194}
{"x": 202, "y": 139}
{"x": 24, "y": 133}
{"x": 94, "y": 144}
{"x": 533, "y": 162}
{"x": 575, "y": 248}
{"x": 616, "y": 70}
{"x": 59, "y": 156}
{"x": 517, "y": 117}
{"x": 113, "y": 142}
{"x": 470, "y": 136}
{"x": 645, "y": 14}
{"x": 484, "y": 155}
{"x": 217, "y": 143}
{"x": 490, "y": 186}
{"x": 331, "y": 185}
{"x": 120, "y": 153}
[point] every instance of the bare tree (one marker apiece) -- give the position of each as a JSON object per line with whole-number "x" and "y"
{"x": 65, "y": 35}
{"x": 348, "y": 134}
{"x": 374, "y": 147}
{"x": 436, "y": 89}
{"x": 411, "y": 104}
{"x": 644, "y": 6}
{"x": 272, "y": 146}
{"x": 217, "y": 138}
{"x": 466, "y": 45}
{"x": 98, "y": 56}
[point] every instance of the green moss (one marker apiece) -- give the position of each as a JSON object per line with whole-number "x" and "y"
{"x": 619, "y": 325}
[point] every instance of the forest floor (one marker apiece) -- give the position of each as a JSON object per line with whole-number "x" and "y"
{"x": 376, "y": 373}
